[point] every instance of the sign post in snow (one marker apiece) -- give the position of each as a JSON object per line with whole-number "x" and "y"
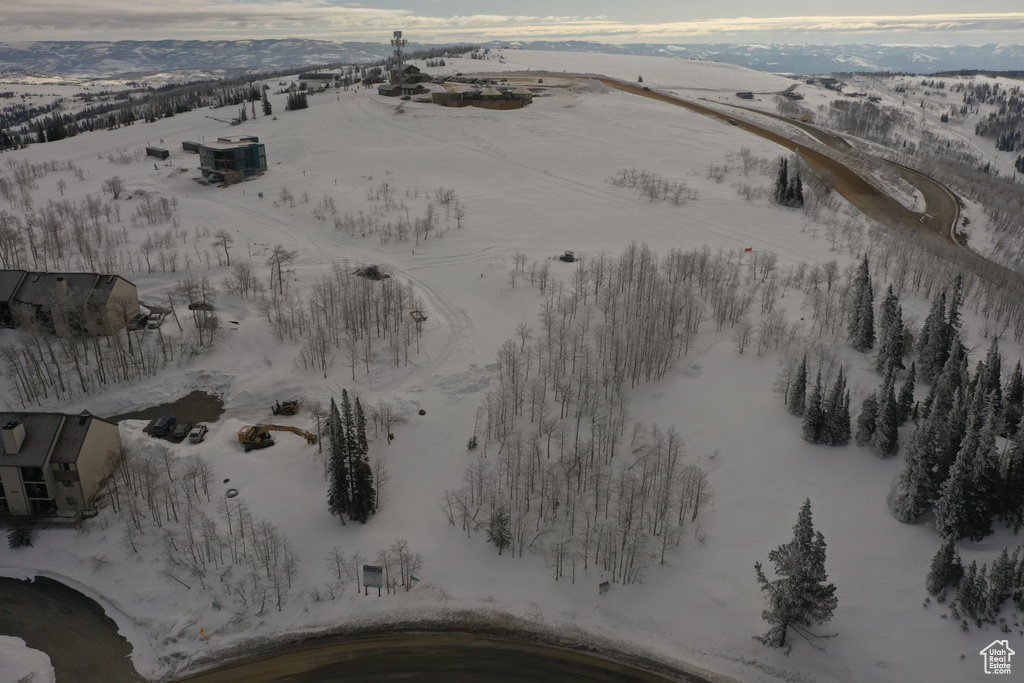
{"x": 373, "y": 577}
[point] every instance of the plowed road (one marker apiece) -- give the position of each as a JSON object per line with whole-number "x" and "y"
{"x": 942, "y": 210}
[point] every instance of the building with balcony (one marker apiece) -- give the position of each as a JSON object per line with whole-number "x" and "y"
{"x": 232, "y": 159}
{"x": 53, "y": 463}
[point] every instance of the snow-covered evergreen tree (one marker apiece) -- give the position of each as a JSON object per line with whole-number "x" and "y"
{"x": 965, "y": 505}
{"x": 887, "y": 422}
{"x": 867, "y": 419}
{"x": 905, "y": 399}
{"x": 890, "y": 334}
{"x": 814, "y": 415}
{"x": 1013, "y": 400}
{"x": 798, "y": 392}
{"x": 801, "y": 597}
{"x": 916, "y": 486}
{"x": 946, "y": 570}
{"x": 781, "y": 182}
{"x": 862, "y": 311}
{"x": 499, "y": 530}
{"x": 837, "y": 414}
{"x": 1011, "y": 486}
{"x": 337, "y": 466}
{"x": 932, "y": 344}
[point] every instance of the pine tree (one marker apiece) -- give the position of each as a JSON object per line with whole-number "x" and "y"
{"x": 905, "y": 400}
{"x": 798, "y": 393}
{"x": 1011, "y": 487}
{"x": 798, "y": 191}
{"x": 992, "y": 376}
{"x": 837, "y": 414}
{"x": 965, "y": 506}
{"x": 862, "y": 314}
{"x": 1013, "y": 400}
{"x": 932, "y": 345}
{"x": 267, "y": 109}
{"x": 360, "y": 422}
{"x": 968, "y": 596}
{"x": 887, "y": 422}
{"x": 867, "y": 419}
{"x": 890, "y": 333}
{"x": 800, "y": 598}
{"x": 1000, "y": 584}
{"x": 945, "y": 571}
{"x": 499, "y": 531}
{"x": 814, "y": 415}
{"x": 781, "y": 182}
{"x": 338, "y": 499}
{"x": 916, "y": 488}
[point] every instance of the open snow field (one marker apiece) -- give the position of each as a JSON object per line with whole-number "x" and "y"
{"x": 532, "y": 181}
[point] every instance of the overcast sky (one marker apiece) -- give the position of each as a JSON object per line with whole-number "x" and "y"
{"x": 433, "y": 21}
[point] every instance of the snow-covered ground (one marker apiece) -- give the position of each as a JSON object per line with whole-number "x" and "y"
{"x": 21, "y": 664}
{"x": 533, "y": 181}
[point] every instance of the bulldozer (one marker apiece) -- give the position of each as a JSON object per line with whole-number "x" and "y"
{"x": 286, "y": 408}
{"x": 258, "y": 436}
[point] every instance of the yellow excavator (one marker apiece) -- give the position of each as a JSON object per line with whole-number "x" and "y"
{"x": 286, "y": 408}
{"x": 258, "y": 436}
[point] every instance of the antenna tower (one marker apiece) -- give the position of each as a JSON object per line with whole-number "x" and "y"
{"x": 398, "y": 44}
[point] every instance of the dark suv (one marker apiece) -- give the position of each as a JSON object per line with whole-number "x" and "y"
{"x": 164, "y": 425}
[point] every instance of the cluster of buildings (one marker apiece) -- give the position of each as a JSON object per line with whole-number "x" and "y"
{"x": 67, "y": 304}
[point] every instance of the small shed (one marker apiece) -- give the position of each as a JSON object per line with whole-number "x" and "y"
{"x": 157, "y": 152}
{"x": 389, "y": 90}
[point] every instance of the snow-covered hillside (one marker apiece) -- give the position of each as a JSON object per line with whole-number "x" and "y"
{"x": 534, "y": 182}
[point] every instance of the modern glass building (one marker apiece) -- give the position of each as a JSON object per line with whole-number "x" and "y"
{"x": 232, "y": 159}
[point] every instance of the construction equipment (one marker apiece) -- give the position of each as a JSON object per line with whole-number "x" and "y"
{"x": 568, "y": 257}
{"x": 286, "y": 408}
{"x": 258, "y": 436}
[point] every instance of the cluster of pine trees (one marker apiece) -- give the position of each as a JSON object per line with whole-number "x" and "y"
{"x": 352, "y": 491}
{"x": 981, "y": 592}
{"x": 826, "y": 413}
{"x": 789, "y": 190}
{"x": 953, "y": 465}
{"x": 296, "y": 100}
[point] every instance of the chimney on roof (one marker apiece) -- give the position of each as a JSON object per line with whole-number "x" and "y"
{"x": 13, "y": 436}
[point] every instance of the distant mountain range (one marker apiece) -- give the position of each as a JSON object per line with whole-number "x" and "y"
{"x": 822, "y": 59}
{"x": 228, "y": 57}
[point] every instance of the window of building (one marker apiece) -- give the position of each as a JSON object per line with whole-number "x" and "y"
{"x": 4, "y": 508}
{"x": 32, "y": 474}
{"x": 36, "y": 491}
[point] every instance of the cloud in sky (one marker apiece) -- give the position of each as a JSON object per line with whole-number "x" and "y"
{"x": 192, "y": 19}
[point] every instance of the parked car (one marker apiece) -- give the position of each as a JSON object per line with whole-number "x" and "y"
{"x": 181, "y": 431}
{"x": 164, "y": 425}
{"x": 138, "y": 322}
{"x": 198, "y": 433}
{"x": 155, "y": 321}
